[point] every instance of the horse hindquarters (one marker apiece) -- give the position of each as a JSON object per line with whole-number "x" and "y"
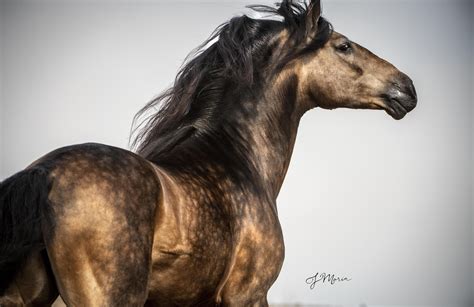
{"x": 93, "y": 207}
{"x": 104, "y": 200}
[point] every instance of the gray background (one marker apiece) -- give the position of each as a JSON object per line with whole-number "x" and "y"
{"x": 387, "y": 203}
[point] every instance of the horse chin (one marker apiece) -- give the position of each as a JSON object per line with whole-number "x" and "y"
{"x": 395, "y": 114}
{"x": 395, "y": 109}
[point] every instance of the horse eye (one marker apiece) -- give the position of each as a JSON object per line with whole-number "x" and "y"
{"x": 344, "y": 47}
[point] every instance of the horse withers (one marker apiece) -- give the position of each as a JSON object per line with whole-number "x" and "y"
{"x": 190, "y": 219}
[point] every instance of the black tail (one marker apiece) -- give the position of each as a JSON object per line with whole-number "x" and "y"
{"x": 23, "y": 207}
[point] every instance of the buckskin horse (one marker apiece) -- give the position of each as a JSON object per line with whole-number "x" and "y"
{"x": 190, "y": 219}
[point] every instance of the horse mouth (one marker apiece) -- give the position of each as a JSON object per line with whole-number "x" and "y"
{"x": 395, "y": 108}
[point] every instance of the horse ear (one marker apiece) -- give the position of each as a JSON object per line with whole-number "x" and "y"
{"x": 312, "y": 16}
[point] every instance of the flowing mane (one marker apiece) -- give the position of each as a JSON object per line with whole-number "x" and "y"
{"x": 236, "y": 62}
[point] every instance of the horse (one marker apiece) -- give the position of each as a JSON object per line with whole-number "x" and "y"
{"x": 189, "y": 218}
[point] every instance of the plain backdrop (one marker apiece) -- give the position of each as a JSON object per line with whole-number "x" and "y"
{"x": 386, "y": 203}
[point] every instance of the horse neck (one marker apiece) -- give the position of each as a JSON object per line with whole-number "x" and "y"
{"x": 256, "y": 139}
{"x": 271, "y": 133}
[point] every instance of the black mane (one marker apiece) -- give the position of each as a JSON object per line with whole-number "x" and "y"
{"x": 237, "y": 62}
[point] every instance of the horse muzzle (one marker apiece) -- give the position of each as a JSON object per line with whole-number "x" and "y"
{"x": 400, "y": 97}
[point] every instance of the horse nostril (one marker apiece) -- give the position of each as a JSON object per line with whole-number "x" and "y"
{"x": 403, "y": 90}
{"x": 411, "y": 90}
{"x": 405, "y": 85}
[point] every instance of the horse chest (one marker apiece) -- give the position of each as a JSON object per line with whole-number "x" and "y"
{"x": 199, "y": 253}
{"x": 258, "y": 258}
